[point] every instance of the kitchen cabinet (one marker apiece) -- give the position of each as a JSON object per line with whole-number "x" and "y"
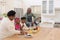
{"x": 48, "y": 7}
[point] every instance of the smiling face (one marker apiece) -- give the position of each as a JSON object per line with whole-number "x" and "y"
{"x": 11, "y": 17}
{"x": 29, "y": 10}
{"x": 17, "y": 20}
{"x": 23, "y": 21}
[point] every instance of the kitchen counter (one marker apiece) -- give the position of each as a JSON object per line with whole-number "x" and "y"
{"x": 43, "y": 34}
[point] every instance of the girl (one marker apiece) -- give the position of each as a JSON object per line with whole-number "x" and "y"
{"x": 17, "y": 24}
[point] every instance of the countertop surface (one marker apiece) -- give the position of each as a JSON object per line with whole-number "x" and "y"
{"x": 43, "y": 34}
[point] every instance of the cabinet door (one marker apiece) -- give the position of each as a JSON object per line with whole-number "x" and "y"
{"x": 19, "y": 12}
{"x": 48, "y": 7}
{"x": 44, "y": 7}
{"x": 51, "y": 5}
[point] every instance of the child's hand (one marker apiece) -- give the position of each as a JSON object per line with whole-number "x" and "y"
{"x": 22, "y": 26}
{"x": 22, "y": 32}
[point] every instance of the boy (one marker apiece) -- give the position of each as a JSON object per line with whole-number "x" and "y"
{"x": 7, "y": 27}
{"x": 22, "y": 23}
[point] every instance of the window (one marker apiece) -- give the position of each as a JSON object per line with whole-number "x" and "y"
{"x": 48, "y": 7}
{"x": 51, "y": 6}
{"x": 44, "y": 7}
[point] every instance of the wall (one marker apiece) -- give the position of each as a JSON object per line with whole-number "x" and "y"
{"x": 26, "y": 3}
{"x": 11, "y": 4}
{"x": 29, "y": 3}
{"x": 57, "y": 3}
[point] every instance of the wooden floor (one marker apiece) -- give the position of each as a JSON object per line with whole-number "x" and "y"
{"x": 43, "y": 34}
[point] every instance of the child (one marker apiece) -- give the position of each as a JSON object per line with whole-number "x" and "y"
{"x": 23, "y": 25}
{"x": 17, "y": 24}
{"x": 20, "y": 24}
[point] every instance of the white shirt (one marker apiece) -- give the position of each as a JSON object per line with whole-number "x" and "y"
{"x": 7, "y": 28}
{"x": 25, "y": 27}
